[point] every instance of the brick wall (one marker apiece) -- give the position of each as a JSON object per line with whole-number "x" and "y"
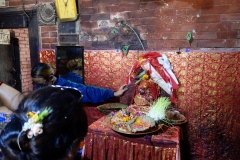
{"x": 162, "y": 24}
{"x": 49, "y": 37}
{"x": 25, "y": 63}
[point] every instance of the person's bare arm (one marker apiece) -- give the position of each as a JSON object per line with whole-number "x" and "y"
{"x": 10, "y": 97}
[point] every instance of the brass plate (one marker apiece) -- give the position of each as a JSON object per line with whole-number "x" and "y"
{"x": 149, "y": 131}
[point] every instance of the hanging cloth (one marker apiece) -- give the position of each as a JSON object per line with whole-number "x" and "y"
{"x": 160, "y": 70}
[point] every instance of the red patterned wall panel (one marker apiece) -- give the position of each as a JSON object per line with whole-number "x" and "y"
{"x": 108, "y": 68}
{"x": 208, "y": 95}
{"x": 48, "y": 56}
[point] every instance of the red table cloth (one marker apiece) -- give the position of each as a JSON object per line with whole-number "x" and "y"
{"x": 102, "y": 143}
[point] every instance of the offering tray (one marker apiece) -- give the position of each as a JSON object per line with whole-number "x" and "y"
{"x": 149, "y": 131}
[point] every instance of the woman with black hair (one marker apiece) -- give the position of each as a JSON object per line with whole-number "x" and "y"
{"x": 43, "y": 74}
{"x": 48, "y": 124}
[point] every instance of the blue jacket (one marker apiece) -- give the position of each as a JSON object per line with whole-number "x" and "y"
{"x": 90, "y": 93}
{"x": 73, "y": 77}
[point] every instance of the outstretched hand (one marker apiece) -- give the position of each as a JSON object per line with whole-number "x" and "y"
{"x": 121, "y": 90}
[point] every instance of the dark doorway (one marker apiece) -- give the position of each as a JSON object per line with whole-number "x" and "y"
{"x": 10, "y": 72}
{"x": 23, "y": 17}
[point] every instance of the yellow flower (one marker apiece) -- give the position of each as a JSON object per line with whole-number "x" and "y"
{"x": 138, "y": 121}
{"x": 145, "y": 76}
{"x": 30, "y": 114}
{"x": 125, "y": 119}
{"x": 141, "y": 59}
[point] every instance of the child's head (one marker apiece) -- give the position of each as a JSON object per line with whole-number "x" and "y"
{"x": 75, "y": 64}
{"x": 62, "y": 129}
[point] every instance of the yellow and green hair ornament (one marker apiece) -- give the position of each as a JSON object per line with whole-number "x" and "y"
{"x": 43, "y": 114}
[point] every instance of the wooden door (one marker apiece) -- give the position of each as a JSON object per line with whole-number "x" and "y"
{"x": 10, "y": 72}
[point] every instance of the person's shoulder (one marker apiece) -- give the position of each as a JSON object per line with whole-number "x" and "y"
{"x": 60, "y": 80}
{"x": 69, "y": 74}
{"x": 64, "y": 82}
{"x": 73, "y": 74}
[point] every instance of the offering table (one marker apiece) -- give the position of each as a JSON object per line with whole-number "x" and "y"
{"x": 102, "y": 143}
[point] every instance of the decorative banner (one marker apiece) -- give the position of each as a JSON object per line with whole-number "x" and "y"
{"x": 4, "y": 36}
